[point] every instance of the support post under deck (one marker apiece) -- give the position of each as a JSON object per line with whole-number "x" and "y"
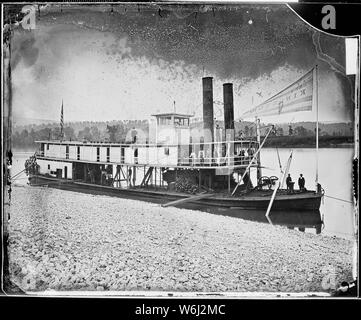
{"x": 229, "y": 183}
{"x": 134, "y": 175}
{"x": 199, "y": 179}
{"x": 85, "y": 172}
{"x": 155, "y": 177}
{"x": 127, "y": 173}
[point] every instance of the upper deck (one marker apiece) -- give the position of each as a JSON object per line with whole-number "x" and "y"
{"x": 236, "y": 154}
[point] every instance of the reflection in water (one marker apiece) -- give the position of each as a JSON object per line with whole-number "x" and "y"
{"x": 335, "y": 177}
{"x": 301, "y": 220}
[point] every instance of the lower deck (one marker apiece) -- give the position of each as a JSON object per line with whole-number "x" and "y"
{"x": 126, "y": 176}
{"x": 253, "y": 200}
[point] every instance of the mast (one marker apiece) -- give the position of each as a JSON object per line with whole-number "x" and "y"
{"x": 288, "y": 165}
{"x": 61, "y": 122}
{"x": 258, "y": 132}
{"x": 279, "y": 186}
{"x": 316, "y": 106}
{"x": 279, "y": 161}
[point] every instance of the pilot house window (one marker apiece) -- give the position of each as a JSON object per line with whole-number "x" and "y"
{"x": 165, "y": 121}
{"x": 181, "y": 121}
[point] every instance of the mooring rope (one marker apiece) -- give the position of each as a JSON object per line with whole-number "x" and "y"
{"x": 15, "y": 175}
{"x": 19, "y": 178}
{"x": 26, "y": 168}
{"x": 348, "y": 201}
{"x": 20, "y": 172}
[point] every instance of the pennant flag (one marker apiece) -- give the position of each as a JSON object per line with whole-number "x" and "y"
{"x": 296, "y": 97}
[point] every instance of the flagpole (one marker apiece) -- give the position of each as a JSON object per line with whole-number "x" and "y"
{"x": 316, "y": 103}
{"x": 62, "y": 121}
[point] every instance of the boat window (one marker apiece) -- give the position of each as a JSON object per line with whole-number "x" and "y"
{"x": 122, "y": 155}
{"x": 181, "y": 121}
{"x": 47, "y": 146}
{"x": 190, "y": 145}
{"x": 136, "y": 155}
{"x": 165, "y": 120}
{"x": 98, "y": 154}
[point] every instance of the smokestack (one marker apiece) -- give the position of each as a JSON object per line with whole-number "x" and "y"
{"x": 208, "y": 108}
{"x": 228, "y": 106}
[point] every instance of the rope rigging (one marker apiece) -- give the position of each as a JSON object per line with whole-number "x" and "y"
{"x": 339, "y": 199}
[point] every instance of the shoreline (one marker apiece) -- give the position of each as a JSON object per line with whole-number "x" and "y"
{"x": 340, "y": 146}
{"x": 309, "y": 142}
{"x": 93, "y": 242}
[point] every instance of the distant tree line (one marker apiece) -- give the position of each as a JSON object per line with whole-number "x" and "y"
{"x": 299, "y": 131}
{"x": 118, "y": 132}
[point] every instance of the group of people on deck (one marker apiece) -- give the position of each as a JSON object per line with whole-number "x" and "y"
{"x": 244, "y": 155}
{"x": 204, "y": 156}
{"x": 290, "y": 183}
{"x": 102, "y": 175}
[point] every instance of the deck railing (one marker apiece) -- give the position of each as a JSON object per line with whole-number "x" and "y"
{"x": 219, "y": 161}
{"x": 232, "y": 153}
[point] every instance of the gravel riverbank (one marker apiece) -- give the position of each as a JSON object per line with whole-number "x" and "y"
{"x": 65, "y": 240}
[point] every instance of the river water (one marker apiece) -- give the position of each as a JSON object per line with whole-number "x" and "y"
{"x": 334, "y": 175}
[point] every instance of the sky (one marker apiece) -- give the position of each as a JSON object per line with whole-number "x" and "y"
{"x": 138, "y": 60}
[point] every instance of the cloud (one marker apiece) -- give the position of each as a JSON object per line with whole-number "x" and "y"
{"x": 24, "y": 49}
{"x": 140, "y": 63}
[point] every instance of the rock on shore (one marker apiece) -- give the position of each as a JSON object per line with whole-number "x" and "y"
{"x": 64, "y": 240}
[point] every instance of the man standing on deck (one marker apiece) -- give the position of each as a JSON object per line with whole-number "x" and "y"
{"x": 242, "y": 156}
{"x": 250, "y": 153}
{"x": 289, "y": 184}
{"x": 91, "y": 173}
{"x": 301, "y": 182}
{"x": 193, "y": 158}
{"x": 130, "y": 176}
{"x": 134, "y": 135}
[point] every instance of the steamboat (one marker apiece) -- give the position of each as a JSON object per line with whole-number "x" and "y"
{"x": 178, "y": 163}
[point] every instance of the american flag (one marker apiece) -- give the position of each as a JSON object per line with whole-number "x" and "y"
{"x": 62, "y": 121}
